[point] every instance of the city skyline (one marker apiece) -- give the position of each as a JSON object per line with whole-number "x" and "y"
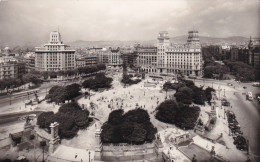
{"x": 125, "y": 20}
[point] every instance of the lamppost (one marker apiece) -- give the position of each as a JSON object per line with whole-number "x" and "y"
{"x": 224, "y": 113}
{"x": 212, "y": 154}
{"x": 89, "y": 156}
{"x": 43, "y": 144}
{"x": 247, "y": 147}
{"x": 10, "y": 96}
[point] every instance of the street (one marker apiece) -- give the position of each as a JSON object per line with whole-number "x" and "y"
{"x": 247, "y": 112}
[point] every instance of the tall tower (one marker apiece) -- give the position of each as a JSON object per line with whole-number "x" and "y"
{"x": 163, "y": 42}
{"x": 55, "y": 37}
{"x": 193, "y": 38}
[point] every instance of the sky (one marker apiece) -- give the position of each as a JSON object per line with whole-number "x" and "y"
{"x": 95, "y": 20}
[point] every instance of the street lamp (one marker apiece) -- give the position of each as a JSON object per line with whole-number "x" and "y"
{"x": 247, "y": 147}
{"x": 89, "y": 155}
{"x": 10, "y": 95}
{"x": 224, "y": 112}
{"x": 43, "y": 144}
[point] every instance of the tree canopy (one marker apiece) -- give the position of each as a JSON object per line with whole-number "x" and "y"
{"x": 70, "y": 118}
{"x": 99, "y": 81}
{"x": 181, "y": 115}
{"x": 59, "y": 94}
{"x": 132, "y": 127}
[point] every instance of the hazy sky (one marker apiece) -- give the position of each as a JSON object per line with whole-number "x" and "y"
{"x": 33, "y": 20}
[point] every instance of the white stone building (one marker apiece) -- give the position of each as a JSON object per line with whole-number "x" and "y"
{"x": 185, "y": 59}
{"x": 54, "y": 55}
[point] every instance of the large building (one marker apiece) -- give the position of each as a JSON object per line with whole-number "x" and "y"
{"x": 168, "y": 59}
{"x": 111, "y": 57}
{"x": 250, "y": 55}
{"x": 254, "y": 53}
{"x": 147, "y": 59}
{"x": 87, "y": 61}
{"x": 54, "y": 55}
{"x": 11, "y": 68}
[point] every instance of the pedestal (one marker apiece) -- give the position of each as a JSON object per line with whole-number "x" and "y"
{"x": 55, "y": 139}
{"x": 158, "y": 146}
{"x": 98, "y": 148}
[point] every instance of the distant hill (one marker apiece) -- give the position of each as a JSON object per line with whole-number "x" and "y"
{"x": 239, "y": 40}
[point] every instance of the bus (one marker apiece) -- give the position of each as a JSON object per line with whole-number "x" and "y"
{"x": 26, "y": 93}
{"x": 256, "y": 84}
{"x": 249, "y": 96}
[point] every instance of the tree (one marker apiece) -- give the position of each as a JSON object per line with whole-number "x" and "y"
{"x": 44, "y": 119}
{"x": 184, "y": 95}
{"x": 57, "y": 94}
{"x": 199, "y": 96}
{"x": 116, "y": 117}
{"x": 208, "y": 94}
{"x": 31, "y": 77}
{"x": 132, "y": 127}
{"x": 137, "y": 115}
{"x": 69, "y": 107}
{"x": 100, "y": 81}
{"x": 72, "y": 90}
{"x": 181, "y": 115}
{"x": 187, "y": 117}
{"x": 167, "y": 111}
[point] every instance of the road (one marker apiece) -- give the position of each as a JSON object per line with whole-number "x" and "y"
{"x": 43, "y": 90}
{"x": 9, "y": 118}
{"x": 247, "y": 112}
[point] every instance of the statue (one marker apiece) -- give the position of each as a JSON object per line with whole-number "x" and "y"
{"x": 28, "y": 119}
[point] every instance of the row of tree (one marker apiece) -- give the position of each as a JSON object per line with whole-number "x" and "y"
{"x": 31, "y": 77}
{"x": 187, "y": 92}
{"x": 212, "y": 69}
{"x": 127, "y": 80}
{"x": 242, "y": 71}
{"x": 70, "y": 117}
{"x": 133, "y": 127}
{"x": 80, "y": 70}
{"x": 99, "y": 81}
{"x": 36, "y": 77}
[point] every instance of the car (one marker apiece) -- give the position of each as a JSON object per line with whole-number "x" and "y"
{"x": 192, "y": 77}
{"x": 244, "y": 87}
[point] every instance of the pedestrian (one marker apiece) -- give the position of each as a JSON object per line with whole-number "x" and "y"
{"x": 76, "y": 155}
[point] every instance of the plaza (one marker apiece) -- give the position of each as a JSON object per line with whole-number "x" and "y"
{"x": 145, "y": 96}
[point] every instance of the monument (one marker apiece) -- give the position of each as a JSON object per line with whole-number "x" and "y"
{"x": 158, "y": 145}
{"x": 98, "y": 148}
{"x": 55, "y": 139}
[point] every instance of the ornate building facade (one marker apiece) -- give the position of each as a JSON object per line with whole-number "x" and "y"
{"x": 169, "y": 59}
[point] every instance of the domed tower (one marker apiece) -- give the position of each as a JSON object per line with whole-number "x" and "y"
{"x": 193, "y": 38}
{"x": 163, "y": 42}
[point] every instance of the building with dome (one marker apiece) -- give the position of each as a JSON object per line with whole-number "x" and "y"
{"x": 54, "y": 55}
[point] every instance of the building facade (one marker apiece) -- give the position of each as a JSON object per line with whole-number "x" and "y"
{"x": 254, "y": 53}
{"x": 87, "y": 61}
{"x": 54, "y": 56}
{"x": 168, "y": 59}
{"x": 110, "y": 57}
{"x": 147, "y": 59}
{"x": 11, "y": 70}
